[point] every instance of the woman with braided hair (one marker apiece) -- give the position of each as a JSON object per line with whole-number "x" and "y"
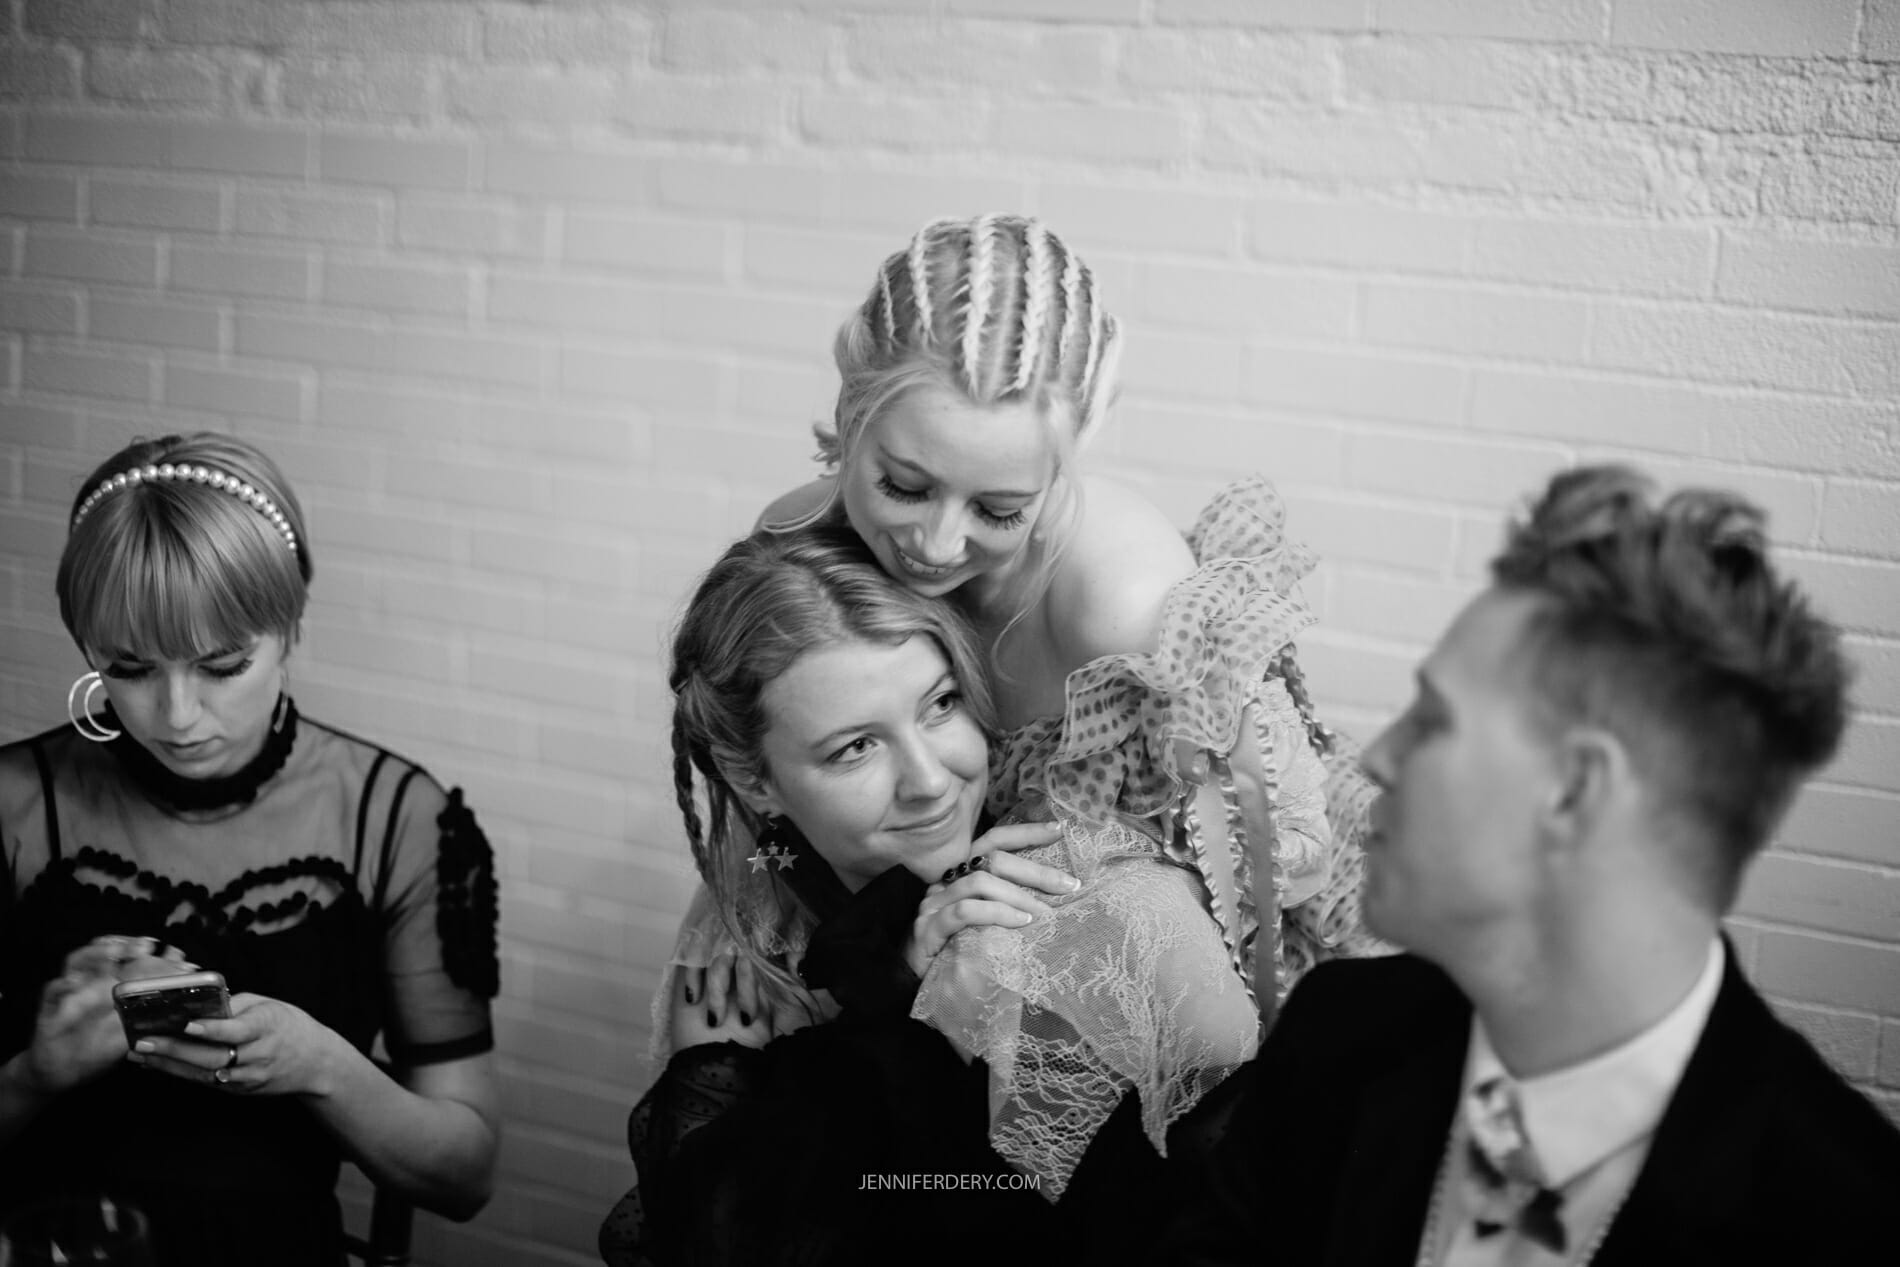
{"x": 1146, "y": 685}
{"x": 340, "y": 891}
{"x": 838, "y": 725}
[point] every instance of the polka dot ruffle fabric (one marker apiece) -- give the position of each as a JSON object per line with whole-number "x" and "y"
{"x": 1131, "y": 719}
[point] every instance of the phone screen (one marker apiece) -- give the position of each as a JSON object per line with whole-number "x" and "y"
{"x": 166, "y": 1012}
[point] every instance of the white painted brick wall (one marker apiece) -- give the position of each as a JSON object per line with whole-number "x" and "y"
{"x": 535, "y": 304}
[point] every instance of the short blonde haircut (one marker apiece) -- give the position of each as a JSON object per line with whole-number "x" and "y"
{"x": 179, "y": 569}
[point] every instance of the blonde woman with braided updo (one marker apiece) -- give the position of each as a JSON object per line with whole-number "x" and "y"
{"x": 1147, "y": 694}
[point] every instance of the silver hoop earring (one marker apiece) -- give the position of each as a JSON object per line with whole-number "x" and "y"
{"x": 79, "y": 709}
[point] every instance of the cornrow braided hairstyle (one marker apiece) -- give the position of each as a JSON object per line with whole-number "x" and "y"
{"x": 1071, "y": 300}
{"x": 974, "y": 311}
{"x": 919, "y": 263}
{"x": 1038, "y": 283}
{"x": 887, "y": 309}
{"x": 1101, "y": 330}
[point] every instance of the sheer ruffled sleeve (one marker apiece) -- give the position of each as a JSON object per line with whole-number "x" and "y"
{"x": 437, "y": 897}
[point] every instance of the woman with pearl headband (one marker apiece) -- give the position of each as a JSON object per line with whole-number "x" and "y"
{"x": 197, "y": 820}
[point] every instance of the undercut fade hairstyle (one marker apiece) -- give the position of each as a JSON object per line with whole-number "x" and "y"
{"x": 999, "y": 310}
{"x": 177, "y": 568}
{"x": 770, "y": 599}
{"x": 1664, "y": 623}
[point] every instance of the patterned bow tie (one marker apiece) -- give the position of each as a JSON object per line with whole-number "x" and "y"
{"x": 1507, "y": 1183}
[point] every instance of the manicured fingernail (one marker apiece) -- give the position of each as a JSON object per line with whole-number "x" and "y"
{"x": 711, "y": 1020}
{"x": 194, "y": 1029}
{"x": 1072, "y": 884}
{"x": 692, "y": 996}
{"x": 145, "y": 1045}
{"x": 135, "y": 1057}
{"x": 1023, "y": 917}
{"x": 744, "y": 1019}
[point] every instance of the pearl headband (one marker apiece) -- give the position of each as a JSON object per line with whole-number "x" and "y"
{"x": 198, "y": 474}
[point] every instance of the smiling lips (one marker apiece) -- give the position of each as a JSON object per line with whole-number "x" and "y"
{"x": 932, "y": 823}
{"x": 921, "y": 570}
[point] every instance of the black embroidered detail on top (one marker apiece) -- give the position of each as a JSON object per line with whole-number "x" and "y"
{"x": 174, "y": 791}
{"x": 467, "y": 903}
{"x": 157, "y": 902}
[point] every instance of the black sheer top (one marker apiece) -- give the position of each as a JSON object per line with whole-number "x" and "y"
{"x": 331, "y": 874}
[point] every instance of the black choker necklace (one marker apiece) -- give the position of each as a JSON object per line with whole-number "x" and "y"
{"x": 178, "y": 792}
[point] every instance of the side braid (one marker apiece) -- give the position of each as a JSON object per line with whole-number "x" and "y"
{"x": 976, "y": 302}
{"x": 1295, "y": 679}
{"x": 683, "y": 787}
{"x": 920, "y": 283}
{"x": 1037, "y": 281}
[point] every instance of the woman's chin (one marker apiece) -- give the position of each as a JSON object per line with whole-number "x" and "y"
{"x": 208, "y": 759}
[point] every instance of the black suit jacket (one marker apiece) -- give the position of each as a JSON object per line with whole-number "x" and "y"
{"x": 1329, "y": 1141}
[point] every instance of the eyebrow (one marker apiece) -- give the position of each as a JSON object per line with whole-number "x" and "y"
{"x": 923, "y": 473}
{"x": 824, "y": 742}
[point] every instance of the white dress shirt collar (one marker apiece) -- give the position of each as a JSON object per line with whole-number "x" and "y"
{"x": 1576, "y": 1117}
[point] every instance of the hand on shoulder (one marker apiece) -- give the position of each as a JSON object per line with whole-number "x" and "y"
{"x": 1107, "y": 595}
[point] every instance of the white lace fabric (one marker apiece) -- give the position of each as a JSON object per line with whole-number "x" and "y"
{"x": 1126, "y": 987}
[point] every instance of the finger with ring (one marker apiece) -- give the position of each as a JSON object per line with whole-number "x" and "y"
{"x": 222, "y": 1076}
{"x": 230, "y": 1061}
{"x": 950, "y": 874}
{"x": 979, "y": 863}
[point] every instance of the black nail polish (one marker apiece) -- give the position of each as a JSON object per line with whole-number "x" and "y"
{"x": 744, "y": 1019}
{"x": 690, "y": 996}
{"x": 711, "y": 1020}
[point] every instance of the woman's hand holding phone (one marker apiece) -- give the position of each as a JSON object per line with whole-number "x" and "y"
{"x": 265, "y": 1047}
{"x": 77, "y": 1035}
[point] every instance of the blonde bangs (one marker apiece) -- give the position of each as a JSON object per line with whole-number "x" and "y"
{"x": 177, "y": 578}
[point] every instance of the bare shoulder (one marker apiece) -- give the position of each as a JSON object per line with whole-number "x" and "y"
{"x": 801, "y": 502}
{"x": 1107, "y": 595}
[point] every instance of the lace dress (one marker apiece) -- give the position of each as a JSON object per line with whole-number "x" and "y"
{"x": 1191, "y": 783}
{"x": 331, "y": 875}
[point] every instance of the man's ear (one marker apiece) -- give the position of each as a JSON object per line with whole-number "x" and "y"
{"x": 1592, "y": 769}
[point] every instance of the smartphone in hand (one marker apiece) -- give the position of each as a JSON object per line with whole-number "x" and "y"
{"x": 161, "y": 1007}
